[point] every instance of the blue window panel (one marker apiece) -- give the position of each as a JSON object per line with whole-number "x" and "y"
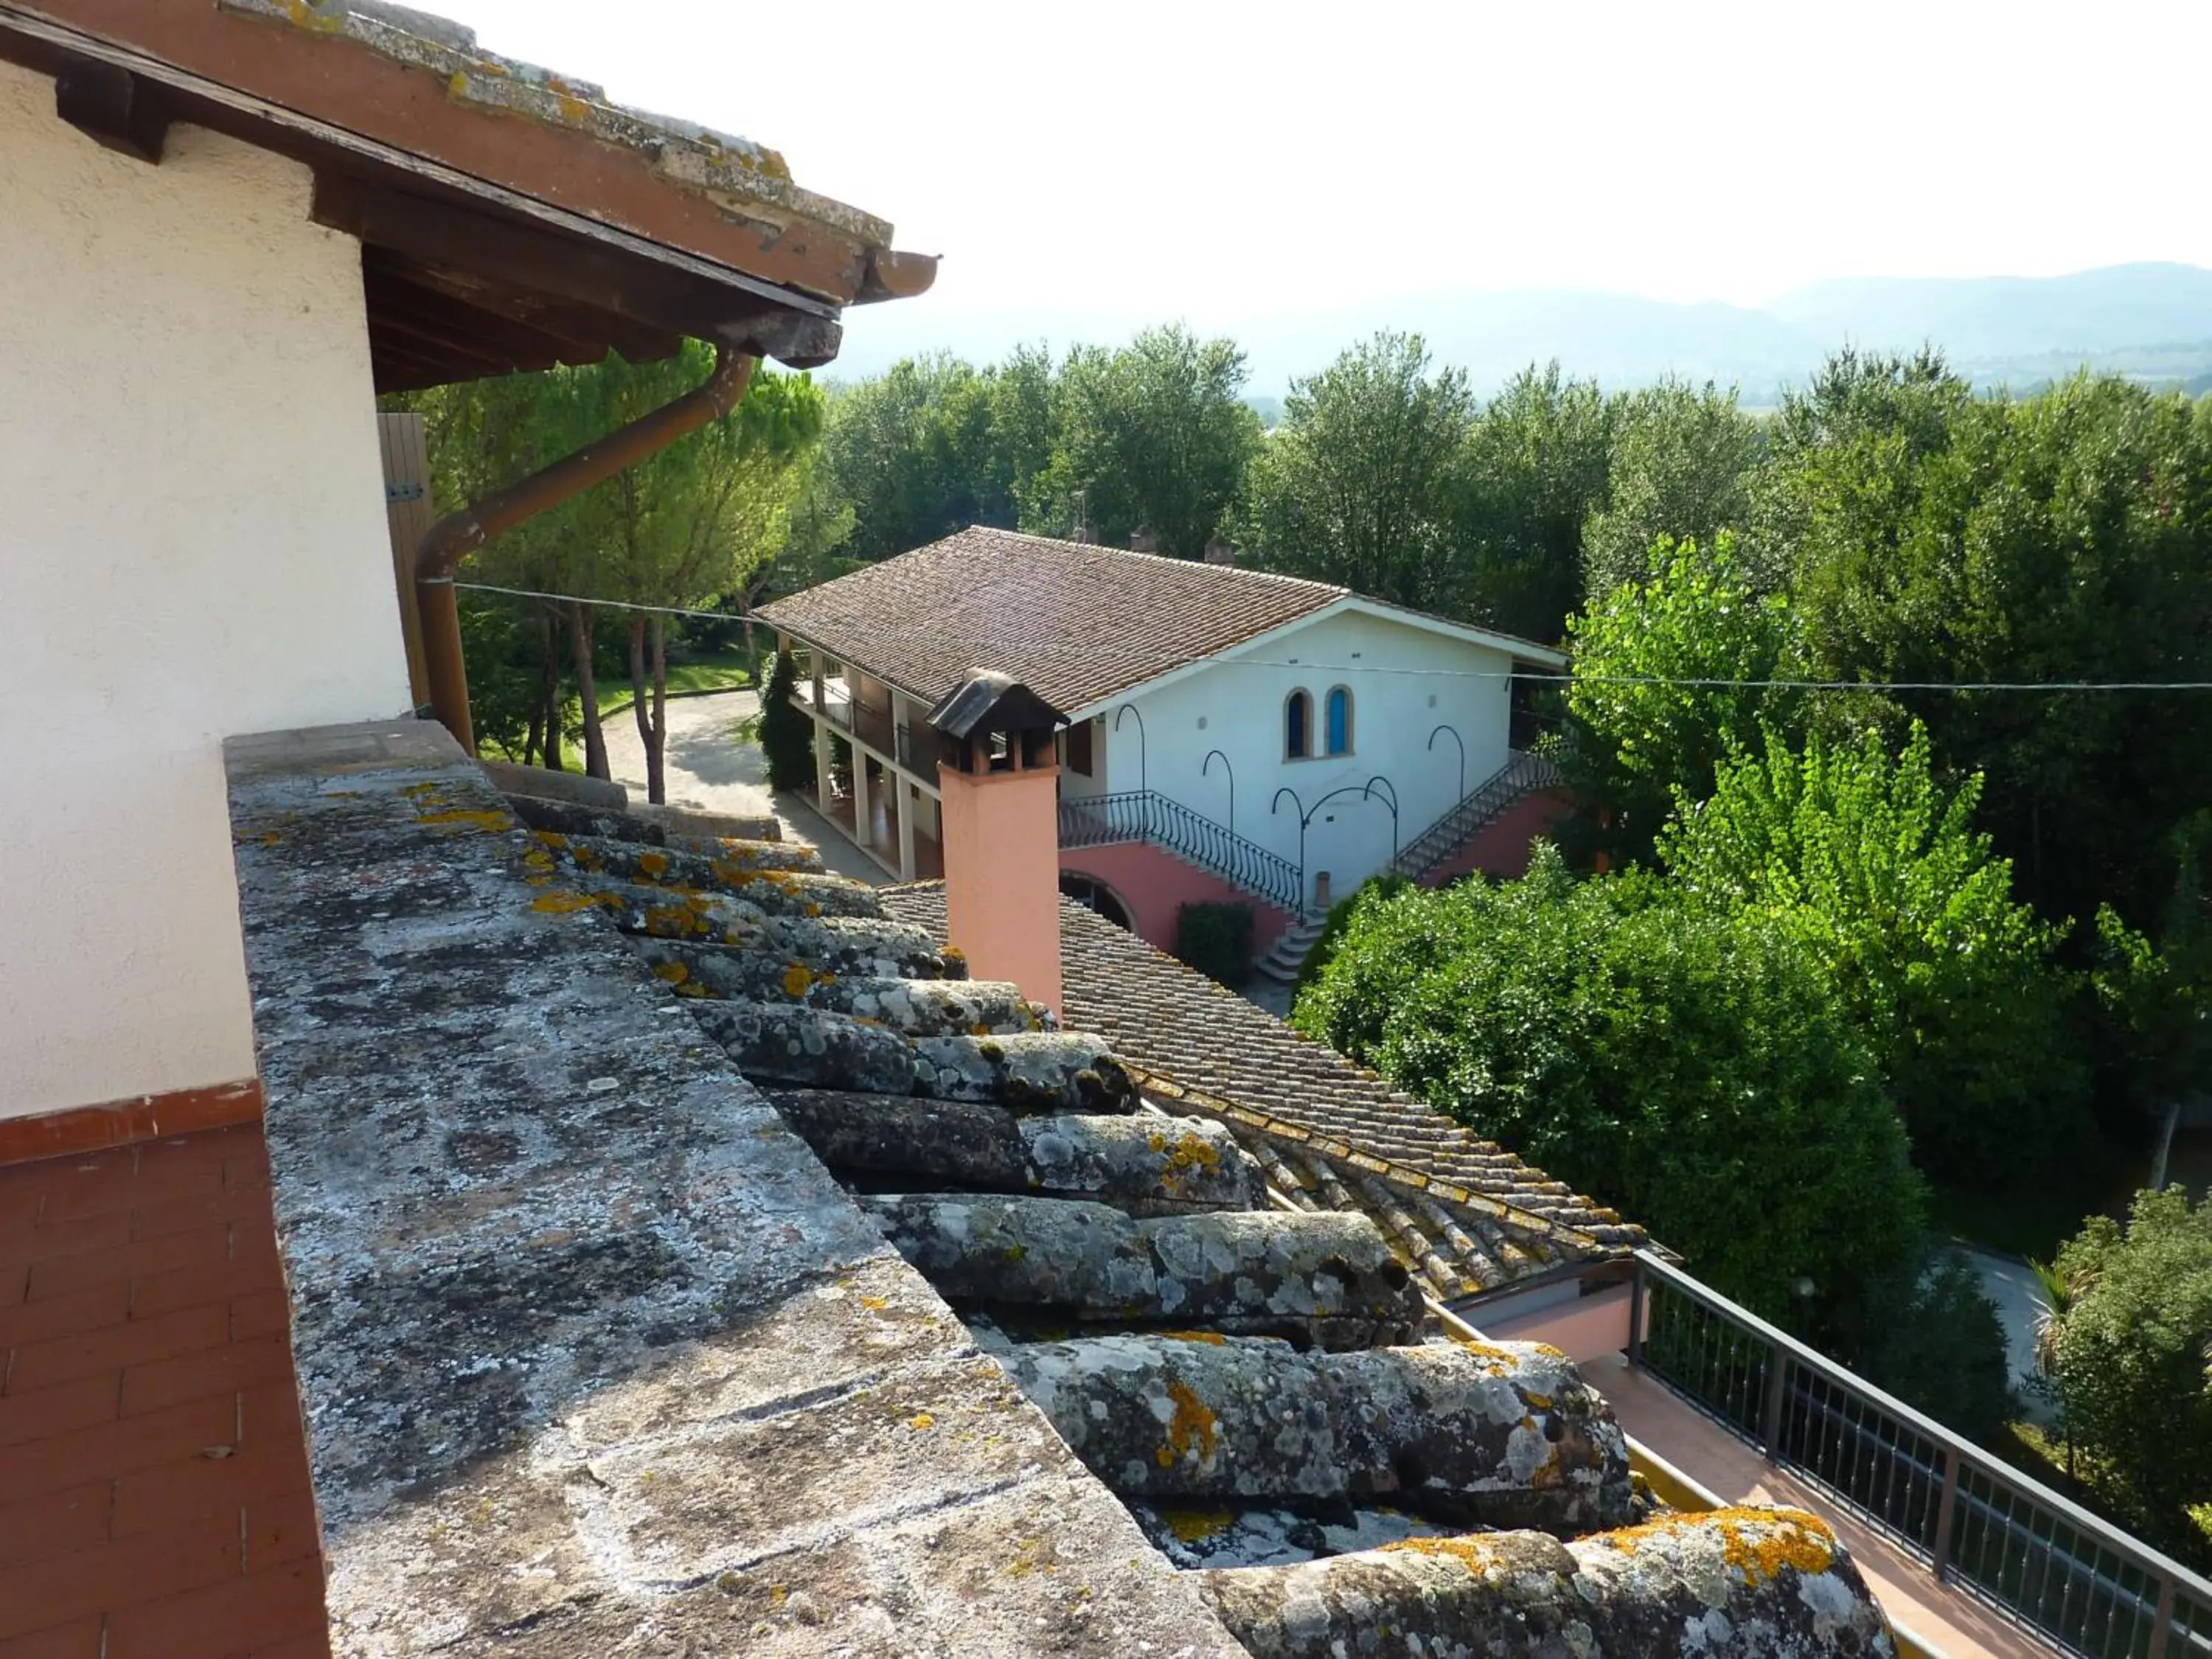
{"x": 1340, "y": 722}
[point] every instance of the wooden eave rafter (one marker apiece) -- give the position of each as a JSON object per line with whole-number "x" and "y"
{"x": 464, "y": 276}
{"x": 343, "y": 86}
{"x": 113, "y": 107}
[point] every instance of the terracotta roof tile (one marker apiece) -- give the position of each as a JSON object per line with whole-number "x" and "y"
{"x": 511, "y": 1256}
{"x": 1344, "y": 1135}
{"x": 1074, "y": 623}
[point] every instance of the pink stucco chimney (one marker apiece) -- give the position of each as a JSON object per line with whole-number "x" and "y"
{"x": 1000, "y": 800}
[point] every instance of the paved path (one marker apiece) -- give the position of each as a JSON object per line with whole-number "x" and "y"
{"x": 710, "y": 769}
{"x": 2008, "y": 1281}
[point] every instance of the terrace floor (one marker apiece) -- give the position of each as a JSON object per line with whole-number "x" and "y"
{"x": 881, "y": 843}
{"x": 1940, "y": 1616}
{"x": 153, "y": 1486}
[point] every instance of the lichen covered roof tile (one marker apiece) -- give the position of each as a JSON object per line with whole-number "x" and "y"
{"x": 596, "y": 1348}
{"x": 1470, "y": 1210}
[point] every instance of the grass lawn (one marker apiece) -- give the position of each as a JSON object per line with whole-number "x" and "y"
{"x": 725, "y": 670}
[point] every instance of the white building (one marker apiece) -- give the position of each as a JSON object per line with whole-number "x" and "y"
{"x": 1233, "y": 733}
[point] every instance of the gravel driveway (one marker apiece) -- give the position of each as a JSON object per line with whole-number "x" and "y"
{"x": 708, "y": 768}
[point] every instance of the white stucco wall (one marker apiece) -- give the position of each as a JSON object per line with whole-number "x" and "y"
{"x": 192, "y": 544}
{"x": 1406, "y": 681}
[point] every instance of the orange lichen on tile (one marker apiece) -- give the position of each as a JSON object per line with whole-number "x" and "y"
{"x": 1193, "y": 1427}
{"x": 1756, "y": 1542}
{"x": 1470, "y": 1552}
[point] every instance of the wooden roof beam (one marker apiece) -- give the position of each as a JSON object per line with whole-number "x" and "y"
{"x": 400, "y": 367}
{"x": 438, "y": 235}
{"x": 489, "y": 359}
{"x": 433, "y": 317}
{"x": 581, "y": 329}
{"x": 114, "y": 108}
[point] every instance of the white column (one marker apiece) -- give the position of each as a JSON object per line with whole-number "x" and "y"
{"x": 860, "y": 798}
{"x": 822, "y": 789}
{"x": 909, "y": 799}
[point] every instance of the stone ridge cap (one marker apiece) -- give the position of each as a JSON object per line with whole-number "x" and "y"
{"x": 1382, "y": 1168}
{"x": 689, "y": 154}
{"x": 558, "y": 1270}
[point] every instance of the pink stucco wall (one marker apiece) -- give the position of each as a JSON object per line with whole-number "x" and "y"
{"x": 1501, "y": 847}
{"x": 1586, "y": 1329}
{"x": 1151, "y": 883}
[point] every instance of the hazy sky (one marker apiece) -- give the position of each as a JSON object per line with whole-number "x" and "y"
{"x": 1211, "y": 160}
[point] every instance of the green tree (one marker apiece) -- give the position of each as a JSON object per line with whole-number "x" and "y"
{"x": 786, "y": 736}
{"x": 1665, "y": 686}
{"x": 1534, "y": 470}
{"x": 1877, "y": 869}
{"x": 481, "y": 435}
{"x": 1934, "y": 537}
{"x": 2157, "y": 997}
{"x": 1693, "y": 1067}
{"x": 687, "y": 523}
{"x": 1681, "y": 468}
{"x": 2133, "y": 1354}
{"x": 1360, "y": 483}
{"x": 1154, "y": 436}
{"x": 921, "y": 451}
{"x": 1934, "y": 1338}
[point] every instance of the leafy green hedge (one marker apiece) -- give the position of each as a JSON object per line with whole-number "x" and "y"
{"x": 1697, "y": 1069}
{"x": 1339, "y": 915}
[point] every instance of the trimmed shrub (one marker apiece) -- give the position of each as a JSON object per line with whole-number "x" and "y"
{"x": 786, "y": 736}
{"x": 1216, "y": 940}
{"x": 1697, "y": 1069}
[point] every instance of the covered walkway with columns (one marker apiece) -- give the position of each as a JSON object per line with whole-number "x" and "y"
{"x": 884, "y": 797}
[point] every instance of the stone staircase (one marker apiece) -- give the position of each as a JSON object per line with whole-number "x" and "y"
{"x": 1522, "y": 776}
{"x": 1281, "y": 961}
{"x": 1142, "y": 814}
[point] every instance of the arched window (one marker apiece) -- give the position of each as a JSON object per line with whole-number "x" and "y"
{"x": 1339, "y": 720}
{"x": 1298, "y": 726}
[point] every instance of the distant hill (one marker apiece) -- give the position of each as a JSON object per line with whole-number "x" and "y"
{"x": 2114, "y": 309}
{"x": 2150, "y": 321}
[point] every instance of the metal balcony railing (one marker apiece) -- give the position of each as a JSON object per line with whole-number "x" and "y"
{"x": 1147, "y": 816}
{"x": 2044, "y": 1563}
{"x": 1521, "y": 774}
{"x": 875, "y": 727}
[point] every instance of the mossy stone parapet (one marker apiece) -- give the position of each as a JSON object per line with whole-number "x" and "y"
{"x": 596, "y": 1356}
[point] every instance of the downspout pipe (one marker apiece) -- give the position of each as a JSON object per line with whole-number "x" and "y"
{"x": 459, "y": 534}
